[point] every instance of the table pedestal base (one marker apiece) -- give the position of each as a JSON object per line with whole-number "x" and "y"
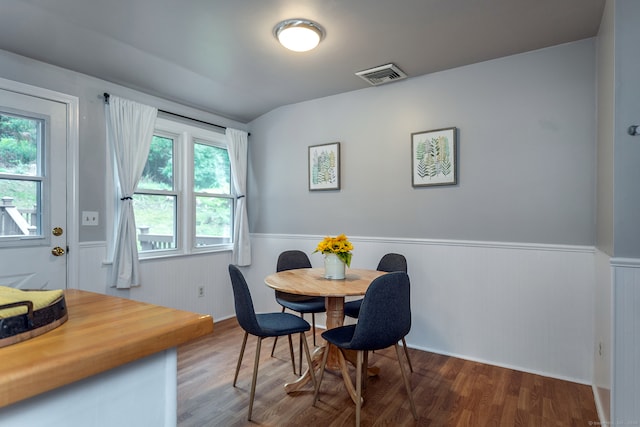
{"x": 311, "y": 281}
{"x": 342, "y": 357}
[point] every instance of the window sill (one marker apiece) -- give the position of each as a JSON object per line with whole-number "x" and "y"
{"x": 175, "y": 254}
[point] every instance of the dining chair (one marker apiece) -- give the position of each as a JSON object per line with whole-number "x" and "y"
{"x": 262, "y": 325}
{"x": 384, "y": 318}
{"x": 289, "y": 260}
{"x": 389, "y": 262}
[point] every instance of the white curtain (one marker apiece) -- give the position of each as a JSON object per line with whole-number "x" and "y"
{"x": 237, "y": 147}
{"x": 129, "y": 133}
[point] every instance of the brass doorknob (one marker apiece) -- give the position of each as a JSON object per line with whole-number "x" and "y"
{"x": 57, "y": 251}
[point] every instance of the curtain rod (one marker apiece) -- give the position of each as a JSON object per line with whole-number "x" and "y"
{"x": 106, "y": 101}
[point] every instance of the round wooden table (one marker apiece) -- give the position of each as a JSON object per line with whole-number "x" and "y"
{"x": 311, "y": 282}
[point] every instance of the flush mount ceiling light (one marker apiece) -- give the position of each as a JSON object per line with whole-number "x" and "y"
{"x": 299, "y": 35}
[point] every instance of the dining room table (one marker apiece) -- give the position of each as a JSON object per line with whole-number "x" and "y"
{"x": 312, "y": 282}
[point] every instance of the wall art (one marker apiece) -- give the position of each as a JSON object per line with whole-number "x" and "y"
{"x": 324, "y": 167}
{"x": 434, "y": 157}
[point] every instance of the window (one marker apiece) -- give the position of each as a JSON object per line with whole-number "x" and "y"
{"x": 184, "y": 201}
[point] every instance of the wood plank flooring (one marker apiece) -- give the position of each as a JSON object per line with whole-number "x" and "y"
{"x": 447, "y": 391}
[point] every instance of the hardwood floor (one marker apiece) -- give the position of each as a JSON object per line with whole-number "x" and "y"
{"x": 447, "y": 391}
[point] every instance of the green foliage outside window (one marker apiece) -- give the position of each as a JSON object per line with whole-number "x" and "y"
{"x": 159, "y": 167}
{"x": 212, "y": 170}
{"x": 18, "y": 144}
{"x": 19, "y": 156}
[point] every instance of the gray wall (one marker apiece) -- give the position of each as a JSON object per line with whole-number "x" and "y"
{"x": 92, "y": 133}
{"x": 527, "y": 149}
{"x": 606, "y": 99}
{"x": 627, "y": 148}
{"x": 616, "y": 316}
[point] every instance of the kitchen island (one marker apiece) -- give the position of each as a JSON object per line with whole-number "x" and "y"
{"x": 113, "y": 362}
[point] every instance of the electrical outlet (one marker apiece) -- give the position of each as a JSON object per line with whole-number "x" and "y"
{"x": 200, "y": 291}
{"x": 90, "y": 218}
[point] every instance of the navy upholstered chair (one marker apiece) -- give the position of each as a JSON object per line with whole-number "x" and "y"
{"x": 262, "y": 326}
{"x": 389, "y": 262}
{"x": 384, "y": 318}
{"x": 290, "y": 260}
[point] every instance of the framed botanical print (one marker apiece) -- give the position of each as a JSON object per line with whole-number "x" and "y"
{"x": 434, "y": 157}
{"x": 324, "y": 167}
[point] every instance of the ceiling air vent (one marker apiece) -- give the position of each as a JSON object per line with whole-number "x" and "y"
{"x": 382, "y": 74}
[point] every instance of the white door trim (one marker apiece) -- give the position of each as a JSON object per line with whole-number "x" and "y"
{"x": 72, "y": 104}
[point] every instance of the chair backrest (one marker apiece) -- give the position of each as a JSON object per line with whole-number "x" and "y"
{"x": 392, "y": 262}
{"x": 385, "y": 313}
{"x": 245, "y": 313}
{"x": 290, "y": 260}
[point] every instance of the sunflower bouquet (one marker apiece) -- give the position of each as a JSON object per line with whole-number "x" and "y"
{"x": 339, "y": 245}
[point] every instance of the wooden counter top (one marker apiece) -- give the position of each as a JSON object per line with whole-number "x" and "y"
{"x": 102, "y": 332}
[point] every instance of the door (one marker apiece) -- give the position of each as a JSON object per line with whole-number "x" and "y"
{"x": 33, "y": 171}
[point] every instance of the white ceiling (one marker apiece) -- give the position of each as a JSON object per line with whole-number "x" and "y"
{"x": 221, "y": 56}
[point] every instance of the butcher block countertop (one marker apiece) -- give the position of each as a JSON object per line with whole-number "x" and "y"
{"x": 102, "y": 332}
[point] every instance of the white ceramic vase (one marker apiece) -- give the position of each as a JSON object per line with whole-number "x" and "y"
{"x": 333, "y": 267}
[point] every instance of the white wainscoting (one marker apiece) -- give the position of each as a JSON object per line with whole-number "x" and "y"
{"x": 625, "y": 393}
{"x": 92, "y": 273}
{"x": 523, "y": 306}
{"x": 171, "y": 282}
{"x": 602, "y": 335}
{"x": 175, "y": 282}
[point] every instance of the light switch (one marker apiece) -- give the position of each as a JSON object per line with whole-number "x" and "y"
{"x": 90, "y": 218}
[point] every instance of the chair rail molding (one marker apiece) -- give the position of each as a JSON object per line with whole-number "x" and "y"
{"x": 437, "y": 242}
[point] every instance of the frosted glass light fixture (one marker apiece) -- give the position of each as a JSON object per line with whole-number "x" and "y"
{"x": 299, "y": 35}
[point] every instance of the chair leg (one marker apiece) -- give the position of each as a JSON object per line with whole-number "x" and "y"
{"x": 406, "y": 353}
{"x": 273, "y": 349}
{"x": 255, "y": 377}
{"x": 300, "y": 348}
{"x": 309, "y": 361}
{"x": 365, "y": 365}
{"x": 405, "y": 378}
{"x": 313, "y": 327}
{"x": 359, "y": 368}
{"x": 244, "y": 343}
{"x": 275, "y": 341}
{"x": 325, "y": 356}
{"x": 293, "y": 359}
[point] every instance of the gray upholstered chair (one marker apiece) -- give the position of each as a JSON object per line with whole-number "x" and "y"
{"x": 262, "y": 326}
{"x": 384, "y": 318}
{"x": 290, "y": 260}
{"x": 389, "y": 262}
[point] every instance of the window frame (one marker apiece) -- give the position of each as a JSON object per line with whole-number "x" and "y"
{"x": 185, "y": 136}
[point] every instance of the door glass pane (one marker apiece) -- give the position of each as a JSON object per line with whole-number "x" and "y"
{"x": 20, "y": 156}
{"x": 19, "y": 145}
{"x": 155, "y": 219}
{"x": 211, "y": 169}
{"x": 19, "y": 208}
{"x": 214, "y": 216}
